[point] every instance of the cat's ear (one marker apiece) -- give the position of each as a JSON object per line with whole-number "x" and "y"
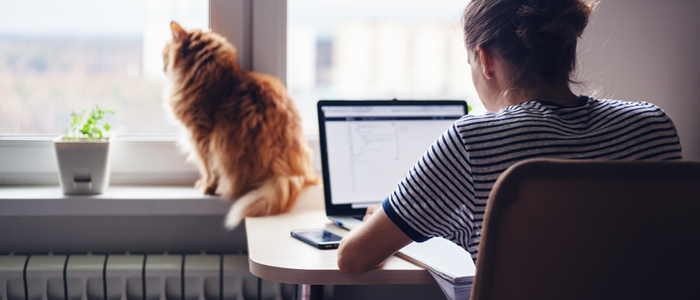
{"x": 179, "y": 34}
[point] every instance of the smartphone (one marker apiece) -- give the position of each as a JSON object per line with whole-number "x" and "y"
{"x": 319, "y": 238}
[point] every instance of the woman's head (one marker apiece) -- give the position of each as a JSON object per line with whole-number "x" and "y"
{"x": 535, "y": 38}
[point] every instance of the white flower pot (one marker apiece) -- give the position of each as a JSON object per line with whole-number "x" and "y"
{"x": 83, "y": 165}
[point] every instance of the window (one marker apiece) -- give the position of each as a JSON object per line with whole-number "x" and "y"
{"x": 107, "y": 48}
{"x": 61, "y": 55}
{"x": 375, "y": 49}
{"x": 27, "y": 157}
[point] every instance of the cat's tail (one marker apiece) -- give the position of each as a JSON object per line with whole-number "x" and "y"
{"x": 276, "y": 195}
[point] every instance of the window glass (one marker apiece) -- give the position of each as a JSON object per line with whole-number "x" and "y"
{"x": 56, "y": 56}
{"x": 376, "y": 49}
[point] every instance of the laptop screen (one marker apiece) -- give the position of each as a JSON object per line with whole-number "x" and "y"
{"x": 370, "y": 147}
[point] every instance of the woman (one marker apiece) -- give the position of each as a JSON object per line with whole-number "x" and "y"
{"x": 522, "y": 54}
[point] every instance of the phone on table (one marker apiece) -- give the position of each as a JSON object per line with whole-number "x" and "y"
{"x": 319, "y": 238}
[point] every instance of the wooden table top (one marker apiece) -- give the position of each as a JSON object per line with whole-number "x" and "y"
{"x": 275, "y": 255}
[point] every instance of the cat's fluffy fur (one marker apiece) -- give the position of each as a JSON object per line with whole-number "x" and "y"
{"x": 243, "y": 129}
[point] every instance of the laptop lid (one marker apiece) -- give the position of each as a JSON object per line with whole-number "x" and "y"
{"x": 368, "y": 146}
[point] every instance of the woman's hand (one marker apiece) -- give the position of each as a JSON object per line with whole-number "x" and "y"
{"x": 370, "y": 211}
{"x": 369, "y": 245}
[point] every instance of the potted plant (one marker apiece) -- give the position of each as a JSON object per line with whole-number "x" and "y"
{"x": 83, "y": 154}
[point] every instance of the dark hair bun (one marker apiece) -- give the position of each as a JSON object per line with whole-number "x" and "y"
{"x": 552, "y": 22}
{"x": 536, "y": 37}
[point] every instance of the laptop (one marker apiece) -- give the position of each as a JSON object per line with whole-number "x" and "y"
{"x": 368, "y": 147}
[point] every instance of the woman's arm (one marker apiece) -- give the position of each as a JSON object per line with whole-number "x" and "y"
{"x": 369, "y": 245}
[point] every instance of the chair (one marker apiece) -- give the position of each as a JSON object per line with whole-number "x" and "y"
{"x": 558, "y": 229}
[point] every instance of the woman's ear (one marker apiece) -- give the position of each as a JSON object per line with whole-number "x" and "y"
{"x": 486, "y": 58}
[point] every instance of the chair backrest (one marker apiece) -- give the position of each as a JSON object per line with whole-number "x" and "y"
{"x": 558, "y": 229}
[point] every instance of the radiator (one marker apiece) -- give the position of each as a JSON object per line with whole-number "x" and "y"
{"x": 134, "y": 277}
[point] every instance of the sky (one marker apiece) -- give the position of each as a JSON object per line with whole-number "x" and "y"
{"x": 324, "y": 15}
{"x": 95, "y": 18}
{"x": 126, "y": 18}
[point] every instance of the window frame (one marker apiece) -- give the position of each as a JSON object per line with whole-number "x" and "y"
{"x": 258, "y": 30}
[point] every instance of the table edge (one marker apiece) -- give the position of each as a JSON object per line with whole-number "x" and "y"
{"x": 326, "y": 277}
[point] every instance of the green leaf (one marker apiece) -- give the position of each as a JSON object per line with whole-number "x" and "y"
{"x": 89, "y": 126}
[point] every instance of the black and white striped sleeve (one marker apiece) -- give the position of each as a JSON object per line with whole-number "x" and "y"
{"x": 433, "y": 200}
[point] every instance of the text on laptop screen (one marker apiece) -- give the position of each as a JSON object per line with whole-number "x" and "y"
{"x": 372, "y": 148}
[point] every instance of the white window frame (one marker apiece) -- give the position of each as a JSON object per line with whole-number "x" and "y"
{"x": 259, "y": 31}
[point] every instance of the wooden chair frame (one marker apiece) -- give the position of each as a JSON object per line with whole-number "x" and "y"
{"x": 565, "y": 229}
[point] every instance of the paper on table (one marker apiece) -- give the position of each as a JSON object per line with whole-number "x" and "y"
{"x": 450, "y": 265}
{"x": 443, "y": 257}
{"x": 452, "y": 290}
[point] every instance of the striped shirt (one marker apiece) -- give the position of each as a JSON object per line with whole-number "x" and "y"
{"x": 445, "y": 193}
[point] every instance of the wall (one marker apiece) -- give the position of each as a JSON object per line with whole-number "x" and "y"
{"x": 644, "y": 50}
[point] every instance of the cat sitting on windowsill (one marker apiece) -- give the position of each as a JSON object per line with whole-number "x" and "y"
{"x": 241, "y": 127}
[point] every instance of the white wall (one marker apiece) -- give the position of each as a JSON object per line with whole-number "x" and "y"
{"x": 644, "y": 50}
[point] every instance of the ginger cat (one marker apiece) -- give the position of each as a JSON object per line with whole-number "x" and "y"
{"x": 242, "y": 127}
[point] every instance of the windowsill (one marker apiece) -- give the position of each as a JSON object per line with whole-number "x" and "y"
{"x": 135, "y": 161}
{"x": 117, "y": 201}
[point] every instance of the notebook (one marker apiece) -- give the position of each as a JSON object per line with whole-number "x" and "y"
{"x": 367, "y": 148}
